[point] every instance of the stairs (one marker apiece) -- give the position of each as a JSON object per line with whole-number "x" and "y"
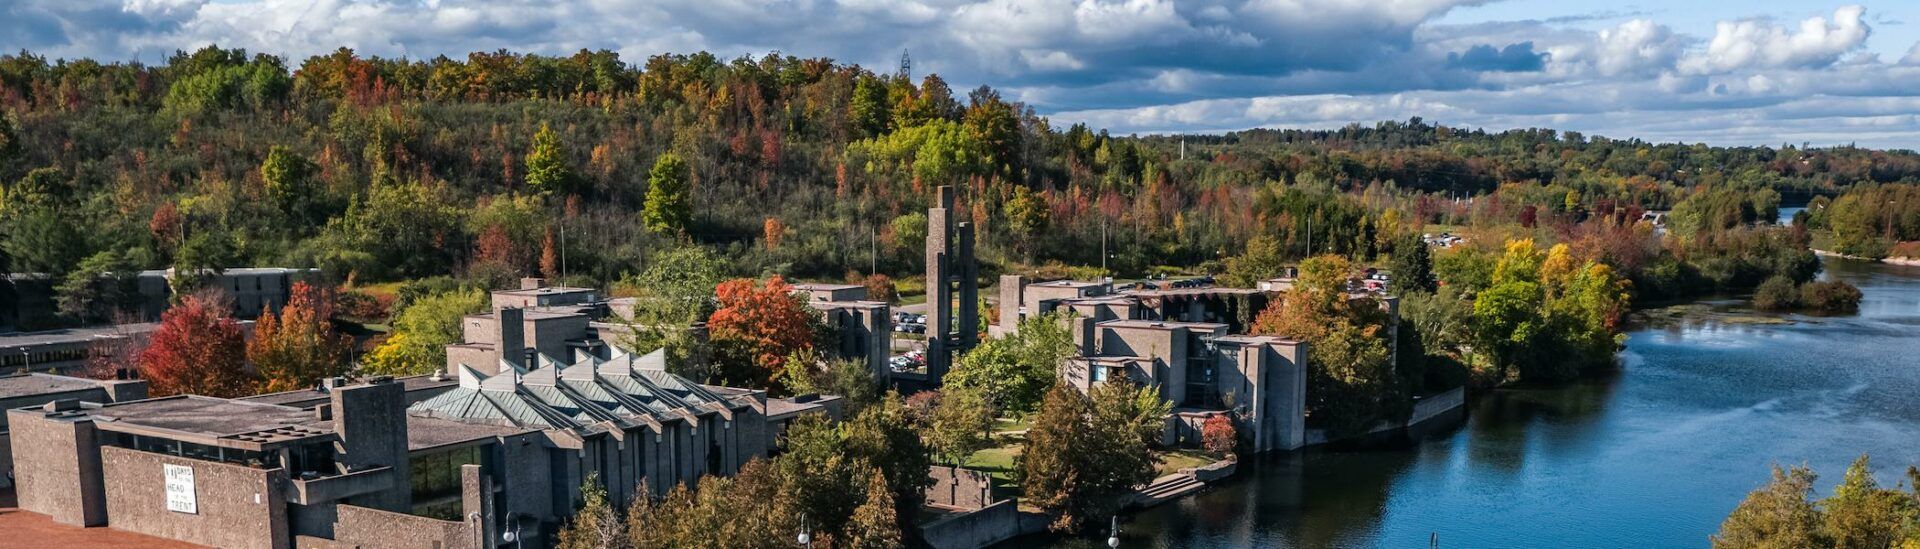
{"x": 1165, "y": 489}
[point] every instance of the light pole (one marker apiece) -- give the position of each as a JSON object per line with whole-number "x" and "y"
{"x": 1113, "y": 539}
{"x": 806, "y": 533}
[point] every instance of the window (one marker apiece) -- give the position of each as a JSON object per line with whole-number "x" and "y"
{"x": 436, "y": 481}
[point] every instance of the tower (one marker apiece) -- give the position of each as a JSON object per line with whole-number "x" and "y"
{"x": 906, "y": 66}
{"x": 953, "y": 287}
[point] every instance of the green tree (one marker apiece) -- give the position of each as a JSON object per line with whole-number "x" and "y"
{"x": 421, "y": 332}
{"x": 1027, "y": 215}
{"x": 395, "y": 230}
{"x": 1085, "y": 451}
{"x": 1412, "y": 267}
{"x": 669, "y": 207}
{"x": 1261, "y": 261}
{"x": 102, "y": 285}
{"x": 43, "y": 240}
{"x": 1016, "y": 369}
{"x": 960, "y": 424}
{"x": 290, "y": 185}
{"x": 669, "y": 296}
{"x": 547, "y": 170}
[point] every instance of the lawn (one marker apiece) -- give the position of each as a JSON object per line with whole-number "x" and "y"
{"x": 1173, "y": 461}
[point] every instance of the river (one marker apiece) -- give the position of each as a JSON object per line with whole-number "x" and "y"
{"x": 1654, "y": 456}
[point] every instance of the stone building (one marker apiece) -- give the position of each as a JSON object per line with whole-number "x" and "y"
{"x": 28, "y": 390}
{"x": 1204, "y": 371}
{"x": 457, "y": 459}
{"x": 865, "y": 327}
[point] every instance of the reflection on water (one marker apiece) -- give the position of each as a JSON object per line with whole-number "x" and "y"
{"x": 1654, "y": 456}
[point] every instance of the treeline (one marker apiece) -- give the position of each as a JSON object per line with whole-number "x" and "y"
{"x": 484, "y": 167}
{"x": 1859, "y": 513}
{"x": 1873, "y": 221}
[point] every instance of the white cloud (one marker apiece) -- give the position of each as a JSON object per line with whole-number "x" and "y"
{"x": 1759, "y": 43}
{"x": 1913, "y": 55}
{"x": 1638, "y": 46}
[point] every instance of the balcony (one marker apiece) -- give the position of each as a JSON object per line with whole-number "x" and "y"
{"x": 341, "y": 486}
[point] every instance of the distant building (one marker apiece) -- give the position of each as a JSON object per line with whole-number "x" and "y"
{"x": 953, "y": 287}
{"x": 32, "y": 305}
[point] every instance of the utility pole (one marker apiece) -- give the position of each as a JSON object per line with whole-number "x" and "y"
{"x": 873, "y": 250}
{"x": 563, "y": 250}
{"x": 1103, "y": 247}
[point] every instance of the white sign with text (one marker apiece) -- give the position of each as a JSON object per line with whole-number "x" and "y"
{"x": 180, "y": 496}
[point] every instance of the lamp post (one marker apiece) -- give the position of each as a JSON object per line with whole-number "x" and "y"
{"x": 1113, "y": 539}
{"x": 806, "y": 533}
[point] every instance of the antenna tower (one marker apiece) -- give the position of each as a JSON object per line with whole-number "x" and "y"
{"x": 906, "y": 66}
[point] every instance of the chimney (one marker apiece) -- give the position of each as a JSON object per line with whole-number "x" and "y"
{"x": 513, "y": 335}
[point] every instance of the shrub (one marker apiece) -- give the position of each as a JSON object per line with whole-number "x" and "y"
{"x": 1219, "y": 435}
{"x": 1831, "y": 296}
{"x": 1778, "y": 293}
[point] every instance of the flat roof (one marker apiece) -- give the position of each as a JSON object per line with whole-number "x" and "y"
{"x": 1245, "y": 339}
{"x": 306, "y": 398}
{"x": 213, "y": 421}
{"x": 778, "y": 408}
{"x": 548, "y": 290}
{"x": 1192, "y": 291}
{"x": 1069, "y": 283}
{"x": 42, "y": 384}
{"x": 537, "y": 314}
{"x": 828, "y": 286}
{"x": 74, "y": 335}
{"x": 1159, "y": 324}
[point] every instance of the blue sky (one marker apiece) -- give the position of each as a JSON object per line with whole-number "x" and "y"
{"x": 1766, "y": 72}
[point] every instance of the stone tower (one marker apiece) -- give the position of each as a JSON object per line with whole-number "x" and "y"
{"x": 953, "y": 287}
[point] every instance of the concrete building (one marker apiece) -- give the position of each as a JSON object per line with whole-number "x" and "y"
{"x": 953, "y": 287}
{"x": 66, "y": 349}
{"x": 865, "y": 327}
{"x": 30, "y": 303}
{"x": 28, "y": 390}
{"x": 1204, "y": 371}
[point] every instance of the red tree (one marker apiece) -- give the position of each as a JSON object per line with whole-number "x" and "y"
{"x": 767, "y": 320}
{"x": 198, "y": 350}
{"x": 1218, "y": 435}
{"x": 299, "y": 347}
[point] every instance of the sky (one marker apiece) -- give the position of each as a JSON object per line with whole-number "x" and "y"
{"x": 1760, "y": 72}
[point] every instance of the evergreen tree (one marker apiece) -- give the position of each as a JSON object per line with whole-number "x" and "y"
{"x": 1412, "y": 268}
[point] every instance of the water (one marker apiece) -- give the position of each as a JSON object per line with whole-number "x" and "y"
{"x": 1654, "y": 456}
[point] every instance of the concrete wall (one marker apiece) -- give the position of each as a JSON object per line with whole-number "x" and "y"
{"x": 237, "y": 506}
{"x": 371, "y": 419}
{"x": 971, "y": 530}
{"x": 57, "y": 467}
{"x": 368, "y": 528}
{"x": 959, "y": 488}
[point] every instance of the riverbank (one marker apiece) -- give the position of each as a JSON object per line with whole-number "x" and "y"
{"x": 1901, "y": 261}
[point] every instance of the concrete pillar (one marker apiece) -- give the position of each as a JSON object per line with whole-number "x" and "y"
{"x": 513, "y": 335}
{"x": 1013, "y": 289}
{"x": 476, "y": 505}
{"x": 371, "y": 419}
{"x": 125, "y": 390}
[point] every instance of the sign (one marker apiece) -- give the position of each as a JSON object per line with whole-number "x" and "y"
{"x": 180, "y": 496}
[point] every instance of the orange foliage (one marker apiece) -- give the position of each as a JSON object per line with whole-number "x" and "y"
{"x": 767, "y": 319}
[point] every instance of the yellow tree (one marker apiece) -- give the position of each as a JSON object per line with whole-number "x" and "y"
{"x": 299, "y": 347}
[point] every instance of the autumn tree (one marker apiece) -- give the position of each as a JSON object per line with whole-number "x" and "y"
{"x": 873, "y": 525}
{"x": 669, "y": 202}
{"x": 290, "y": 186}
{"x": 1351, "y": 379}
{"x": 767, "y": 322}
{"x": 1261, "y": 261}
{"x": 298, "y": 347}
{"x": 880, "y": 288}
{"x": 197, "y": 349}
{"x": 597, "y": 524}
{"x": 547, "y": 170}
{"x": 1218, "y": 435}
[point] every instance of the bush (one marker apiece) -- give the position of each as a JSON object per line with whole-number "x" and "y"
{"x": 1219, "y": 435}
{"x": 1832, "y": 296}
{"x": 1778, "y": 293}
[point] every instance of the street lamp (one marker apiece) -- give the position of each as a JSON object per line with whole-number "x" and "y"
{"x": 806, "y": 533}
{"x": 1113, "y": 540}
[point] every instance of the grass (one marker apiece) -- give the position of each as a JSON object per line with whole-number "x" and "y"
{"x": 1173, "y": 461}
{"x": 1003, "y": 425}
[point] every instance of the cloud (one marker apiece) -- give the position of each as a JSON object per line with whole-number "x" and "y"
{"x": 1518, "y": 57}
{"x": 1758, "y": 43}
{"x": 1132, "y": 65}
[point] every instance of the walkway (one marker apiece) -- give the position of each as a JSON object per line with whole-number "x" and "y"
{"x": 24, "y": 529}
